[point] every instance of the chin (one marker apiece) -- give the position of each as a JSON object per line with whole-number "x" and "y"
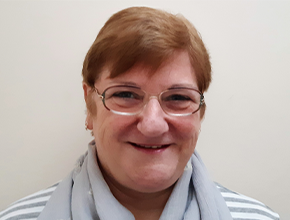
{"x": 154, "y": 182}
{"x": 152, "y": 188}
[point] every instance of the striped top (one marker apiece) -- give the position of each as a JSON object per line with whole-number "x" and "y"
{"x": 240, "y": 206}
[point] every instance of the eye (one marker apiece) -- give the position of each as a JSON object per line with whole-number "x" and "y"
{"x": 123, "y": 95}
{"x": 177, "y": 97}
{"x": 126, "y": 95}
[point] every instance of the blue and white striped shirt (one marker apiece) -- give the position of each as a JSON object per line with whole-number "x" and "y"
{"x": 241, "y": 207}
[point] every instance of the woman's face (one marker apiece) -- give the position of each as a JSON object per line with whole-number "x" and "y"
{"x": 117, "y": 136}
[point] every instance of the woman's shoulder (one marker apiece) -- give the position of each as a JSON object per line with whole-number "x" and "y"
{"x": 28, "y": 207}
{"x": 241, "y": 207}
{"x": 244, "y": 207}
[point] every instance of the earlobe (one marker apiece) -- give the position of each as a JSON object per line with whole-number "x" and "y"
{"x": 89, "y": 122}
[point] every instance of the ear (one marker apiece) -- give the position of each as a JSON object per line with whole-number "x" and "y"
{"x": 89, "y": 120}
{"x": 87, "y": 89}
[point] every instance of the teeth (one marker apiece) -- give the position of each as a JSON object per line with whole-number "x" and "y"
{"x": 154, "y": 147}
{"x": 150, "y": 147}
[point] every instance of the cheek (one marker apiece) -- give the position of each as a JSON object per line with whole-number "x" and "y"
{"x": 189, "y": 127}
{"x": 110, "y": 128}
{"x": 187, "y": 130}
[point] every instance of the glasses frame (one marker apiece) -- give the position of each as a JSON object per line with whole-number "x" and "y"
{"x": 158, "y": 97}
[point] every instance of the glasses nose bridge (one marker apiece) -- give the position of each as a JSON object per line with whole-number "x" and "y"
{"x": 150, "y": 97}
{"x": 157, "y": 97}
{"x": 153, "y": 97}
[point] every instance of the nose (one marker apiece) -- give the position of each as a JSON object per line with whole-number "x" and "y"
{"x": 152, "y": 121}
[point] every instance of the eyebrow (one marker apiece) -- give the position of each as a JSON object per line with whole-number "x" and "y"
{"x": 182, "y": 85}
{"x": 125, "y": 83}
{"x": 173, "y": 86}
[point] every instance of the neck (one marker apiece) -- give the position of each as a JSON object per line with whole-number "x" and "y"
{"x": 141, "y": 205}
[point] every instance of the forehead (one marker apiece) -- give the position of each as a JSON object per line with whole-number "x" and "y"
{"x": 175, "y": 70}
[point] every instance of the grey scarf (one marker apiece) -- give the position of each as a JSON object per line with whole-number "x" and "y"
{"x": 84, "y": 195}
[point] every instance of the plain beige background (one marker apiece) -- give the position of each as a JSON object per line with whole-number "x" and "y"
{"x": 245, "y": 135}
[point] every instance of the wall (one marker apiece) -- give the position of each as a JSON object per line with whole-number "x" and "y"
{"x": 245, "y": 135}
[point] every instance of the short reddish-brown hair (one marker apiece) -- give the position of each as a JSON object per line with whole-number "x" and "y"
{"x": 142, "y": 35}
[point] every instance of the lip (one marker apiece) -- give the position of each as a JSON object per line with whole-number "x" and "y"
{"x": 149, "y": 147}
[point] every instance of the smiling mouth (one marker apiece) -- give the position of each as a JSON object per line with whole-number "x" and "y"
{"x": 149, "y": 146}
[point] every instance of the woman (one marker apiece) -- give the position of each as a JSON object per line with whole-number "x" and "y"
{"x": 143, "y": 81}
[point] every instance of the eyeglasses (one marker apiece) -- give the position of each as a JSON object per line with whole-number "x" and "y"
{"x": 130, "y": 100}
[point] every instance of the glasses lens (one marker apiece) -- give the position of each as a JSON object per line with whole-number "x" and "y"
{"x": 180, "y": 101}
{"x": 124, "y": 99}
